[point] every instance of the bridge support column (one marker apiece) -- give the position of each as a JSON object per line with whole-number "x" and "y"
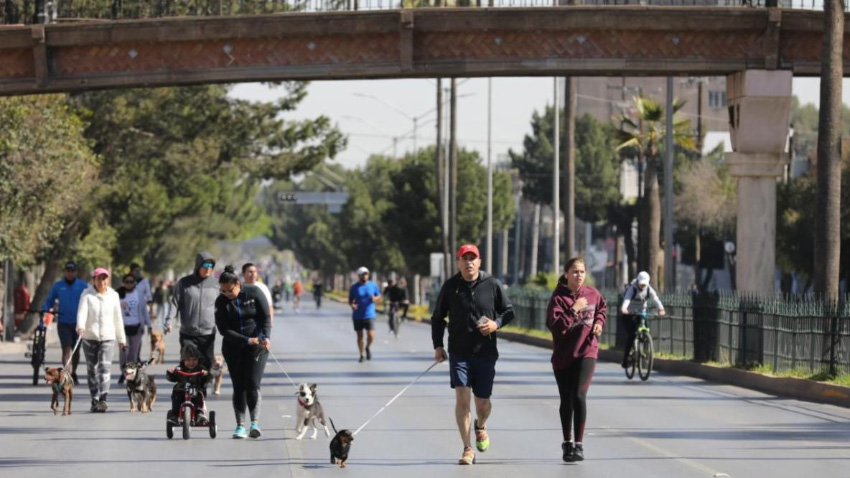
{"x": 759, "y": 116}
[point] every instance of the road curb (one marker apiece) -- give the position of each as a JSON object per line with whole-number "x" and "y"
{"x": 797, "y": 388}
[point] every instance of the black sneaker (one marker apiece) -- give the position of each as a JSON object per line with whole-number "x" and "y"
{"x": 94, "y": 404}
{"x": 76, "y": 380}
{"x": 578, "y": 452}
{"x": 362, "y": 359}
{"x": 121, "y": 379}
{"x": 567, "y": 448}
{"x": 368, "y": 354}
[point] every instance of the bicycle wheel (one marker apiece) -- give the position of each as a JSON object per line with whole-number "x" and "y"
{"x": 37, "y": 356}
{"x": 396, "y": 323}
{"x": 187, "y": 422}
{"x": 645, "y": 356}
{"x": 630, "y": 361}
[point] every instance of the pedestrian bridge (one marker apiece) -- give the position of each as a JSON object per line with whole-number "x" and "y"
{"x": 409, "y": 43}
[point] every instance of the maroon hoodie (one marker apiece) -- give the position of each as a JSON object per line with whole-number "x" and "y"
{"x": 572, "y": 336}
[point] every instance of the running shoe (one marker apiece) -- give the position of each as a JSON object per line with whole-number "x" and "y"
{"x": 240, "y": 432}
{"x": 482, "y": 441}
{"x": 368, "y": 354}
{"x": 578, "y": 452}
{"x": 362, "y": 359}
{"x": 468, "y": 457}
{"x": 567, "y": 448}
{"x": 255, "y": 430}
{"x": 201, "y": 420}
{"x": 102, "y": 406}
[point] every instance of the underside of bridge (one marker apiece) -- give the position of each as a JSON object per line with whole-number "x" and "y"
{"x": 581, "y": 41}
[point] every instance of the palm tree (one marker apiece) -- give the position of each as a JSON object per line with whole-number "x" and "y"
{"x": 646, "y": 134}
{"x": 828, "y": 218}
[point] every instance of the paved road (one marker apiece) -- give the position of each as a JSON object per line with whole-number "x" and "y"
{"x": 672, "y": 426}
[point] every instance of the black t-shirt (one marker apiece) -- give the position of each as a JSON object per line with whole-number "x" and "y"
{"x": 244, "y": 317}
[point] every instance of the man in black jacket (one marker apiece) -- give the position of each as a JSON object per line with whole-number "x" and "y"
{"x": 477, "y": 306}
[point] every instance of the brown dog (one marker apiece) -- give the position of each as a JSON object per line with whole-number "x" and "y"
{"x": 141, "y": 388}
{"x": 157, "y": 347}
{"x": 217, "y": 372}
{"x": 60, "y": 380}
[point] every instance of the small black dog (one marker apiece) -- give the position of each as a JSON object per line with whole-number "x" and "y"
{"x": 340, "y": 445}
{"x": 141, "y": 388}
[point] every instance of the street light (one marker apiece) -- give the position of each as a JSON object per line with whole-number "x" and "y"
{"x": 376, "y": 127}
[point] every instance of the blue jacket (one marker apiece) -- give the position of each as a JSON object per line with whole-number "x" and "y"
{"x": 69, "y": 299}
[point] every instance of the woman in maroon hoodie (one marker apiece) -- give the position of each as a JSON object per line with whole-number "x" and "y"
{"x": 575, "y": 316}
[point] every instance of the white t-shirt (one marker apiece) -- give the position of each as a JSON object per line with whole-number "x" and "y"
{"x": 266, "y": 292}
{"x": 130, "y": 308}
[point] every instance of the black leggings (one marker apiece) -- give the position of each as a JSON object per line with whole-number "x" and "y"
{"x": 573, "y": 383}
{"x": 246, "y": 366}
{"x": 630, "y": 323}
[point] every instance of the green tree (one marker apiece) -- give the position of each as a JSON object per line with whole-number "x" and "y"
{"x": 47, "y": 171}
{"x": 646, "y": 134}
{"x": 597, "y": 165}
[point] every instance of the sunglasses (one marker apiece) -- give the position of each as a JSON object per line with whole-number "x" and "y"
{"x": 208, "y": 265}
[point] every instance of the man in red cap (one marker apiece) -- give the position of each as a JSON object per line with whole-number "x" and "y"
{"x": 478, "y": 306}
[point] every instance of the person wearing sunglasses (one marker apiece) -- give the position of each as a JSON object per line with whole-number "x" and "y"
{"x": 194, "y": 300}
{"x": 136, "y": 318}
{"x": 243, "y": 318}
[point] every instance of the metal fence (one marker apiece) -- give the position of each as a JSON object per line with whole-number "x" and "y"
{"x": 26, "y": 11}
{"x": 778, "y": 333}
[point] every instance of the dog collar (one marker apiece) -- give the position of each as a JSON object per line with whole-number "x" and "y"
{"x": 303, "y": 404}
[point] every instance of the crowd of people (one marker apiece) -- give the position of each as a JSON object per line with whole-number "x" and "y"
{"x": 241, "y": 310}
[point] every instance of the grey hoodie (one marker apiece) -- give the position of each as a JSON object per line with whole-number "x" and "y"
{"x": 194, "y": 299}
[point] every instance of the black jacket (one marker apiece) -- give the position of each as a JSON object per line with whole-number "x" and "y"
{"x": 464, "y": 303}
{"x": 244, "y": 317}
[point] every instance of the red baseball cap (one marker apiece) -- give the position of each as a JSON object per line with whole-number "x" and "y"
{"x": 468, "y": 248}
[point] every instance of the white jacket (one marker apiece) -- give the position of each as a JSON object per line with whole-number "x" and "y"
{"x": 100, "y": 316}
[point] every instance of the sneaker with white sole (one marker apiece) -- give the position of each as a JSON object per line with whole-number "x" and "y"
{"x": 240, "y": 432}
{"x": 255, "y": 430}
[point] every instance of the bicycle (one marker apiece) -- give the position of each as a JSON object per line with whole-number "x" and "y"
{"x": 641, "y": 355}
{"x": 187, "y": 414}
{"x": 37, "y": 350}
{"x": 394, "y": 318}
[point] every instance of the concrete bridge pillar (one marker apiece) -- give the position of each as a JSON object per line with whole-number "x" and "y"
{"x": 759, "y": 115}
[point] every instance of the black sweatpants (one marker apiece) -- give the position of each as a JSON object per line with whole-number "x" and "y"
{"x": 630, "y": 323}
{"x": 573, "y": 383}
{"x": 246, "y": 365}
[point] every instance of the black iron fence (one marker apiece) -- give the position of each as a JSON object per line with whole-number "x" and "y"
{"x": 49, "y": 11}
{"x": 777, "y": 334}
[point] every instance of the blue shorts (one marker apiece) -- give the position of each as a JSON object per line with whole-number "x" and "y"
{"x": 67, "y": 334}
{"x": 477, "y": 373}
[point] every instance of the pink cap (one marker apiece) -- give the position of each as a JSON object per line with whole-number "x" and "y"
{"x": 99, "y": 272}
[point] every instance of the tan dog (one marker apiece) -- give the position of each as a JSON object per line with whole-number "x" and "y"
{"x": 60, "y": 380}
{"x": 157, "y": 347}
{"x": 217, "y": 373}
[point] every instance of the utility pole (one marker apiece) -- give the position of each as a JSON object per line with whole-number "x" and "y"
{"x": 668, "y": 193}
{"x": 441, "y": 183}
{"x": 570, "y": 166}
{"x": 556, "y": 182}
{"x": 489, "y": 264}
{"x": 453, "y": 160}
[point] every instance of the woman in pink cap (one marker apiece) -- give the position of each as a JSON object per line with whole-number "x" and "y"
{"x": 100, "y": 324}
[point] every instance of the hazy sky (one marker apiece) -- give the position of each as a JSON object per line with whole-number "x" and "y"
{"x": 371, "y": 124}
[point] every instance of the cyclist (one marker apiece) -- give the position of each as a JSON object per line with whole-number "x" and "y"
{"x": 67, "y": 291}
{"x": 396, "y": 296}
{"x": 635, "y": 300}
{"x": 318, "y": 290}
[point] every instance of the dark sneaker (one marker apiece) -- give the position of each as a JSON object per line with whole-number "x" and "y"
{"x": 94, "y": 404}
{"x": 255, "y": 432}
{"x": 578, "y": 452}
{"x": 368, "y": 354}
{"x": 362, "y": 359}
{"x": 172, "y": 418}
{"x": 567, "y": 448}
{"x": 76, "y": 380}
{"x": 102, "y": 406}
{"x": 201, "y": 420}
{"x": 121, "y": 379}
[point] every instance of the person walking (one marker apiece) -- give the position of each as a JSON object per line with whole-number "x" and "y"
{"x": 67, "y": 292}
{"x": 362, "y": 297}
{"x": 136, "y": 317}
{"x": 242, "y": 317}
{"x": 143, "y": 286}
{"x": 635, "y": 301}
{"x": 194, "y": 301}
{"x": 251, "y": 277}
{"x": 478, "y": 307}
{"x": 575, "y": 315}
{"x": 100, "y": 324}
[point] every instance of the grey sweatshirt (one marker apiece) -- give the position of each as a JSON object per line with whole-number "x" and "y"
{"x": 194, "y": 299}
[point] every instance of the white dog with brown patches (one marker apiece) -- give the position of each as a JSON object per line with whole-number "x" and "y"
{"x": 309, "y": 412}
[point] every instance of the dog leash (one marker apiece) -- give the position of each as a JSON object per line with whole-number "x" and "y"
{"x": 394, "y": 398}
{"x": 76, "y": 346}
{"x": 283, "y": 370}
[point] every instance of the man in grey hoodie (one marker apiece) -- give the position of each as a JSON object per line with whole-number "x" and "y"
{"x": 194, "y": 299}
